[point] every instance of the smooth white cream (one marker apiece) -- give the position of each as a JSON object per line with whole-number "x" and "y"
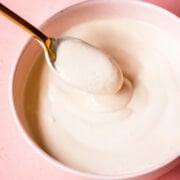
{"x": 128, "y": 131}
{"x": 87, "y": 68}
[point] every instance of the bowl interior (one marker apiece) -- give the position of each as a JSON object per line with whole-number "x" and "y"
{"x": 61, "y": 22}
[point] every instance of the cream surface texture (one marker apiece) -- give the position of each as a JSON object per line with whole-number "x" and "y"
{"x": 87, "y": 68}
{"x": 121, "y": 128}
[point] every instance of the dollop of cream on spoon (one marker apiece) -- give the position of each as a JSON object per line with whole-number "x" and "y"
{"x": 87, "y": 68}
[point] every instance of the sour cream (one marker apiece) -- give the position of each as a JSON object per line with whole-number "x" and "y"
{"x": 87, "y": 68}
{"x": 105, "y": 130}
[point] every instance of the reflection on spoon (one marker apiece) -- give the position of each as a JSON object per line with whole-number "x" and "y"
{"x": 75, "y": 61}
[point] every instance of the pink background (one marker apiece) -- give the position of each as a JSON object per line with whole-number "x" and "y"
{"x": 17, "y": 160}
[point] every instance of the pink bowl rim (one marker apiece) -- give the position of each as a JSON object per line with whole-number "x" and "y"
{"x": 31, "y": 142}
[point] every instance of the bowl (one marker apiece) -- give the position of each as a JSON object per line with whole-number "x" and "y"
{"x": 84, "y": 12}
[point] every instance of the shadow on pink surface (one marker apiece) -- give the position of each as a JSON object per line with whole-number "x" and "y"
{"x": 171, "y": 5}
{"x": 172, "y": 175}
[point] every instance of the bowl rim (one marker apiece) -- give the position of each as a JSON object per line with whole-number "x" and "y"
{"x": 30, "y": 140}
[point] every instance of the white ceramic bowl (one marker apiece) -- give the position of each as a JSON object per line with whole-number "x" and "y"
{"x": 65, "y": 19}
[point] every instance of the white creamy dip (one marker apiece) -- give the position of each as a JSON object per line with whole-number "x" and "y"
{"x": 121, "y": 132}
{"x": 87, "y": 68}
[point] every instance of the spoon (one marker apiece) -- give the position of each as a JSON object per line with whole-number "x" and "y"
{"x": 109, "y": 80}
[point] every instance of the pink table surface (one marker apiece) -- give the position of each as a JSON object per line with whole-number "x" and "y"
{"x": 17, "y": 160}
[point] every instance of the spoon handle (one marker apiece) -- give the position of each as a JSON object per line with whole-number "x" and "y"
{"x": 23, "y": 23}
